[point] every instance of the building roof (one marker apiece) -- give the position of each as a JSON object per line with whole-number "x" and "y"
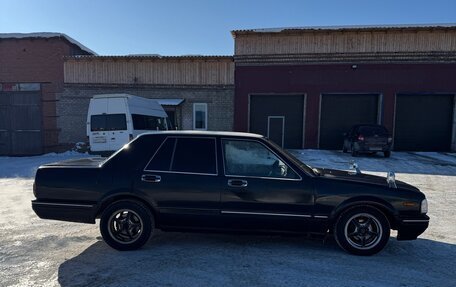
{"x": 169, "y": 102}
{"x": 46, "y": 35}
{"x": 149, "y": 57}
{"x": 451, "y": 26}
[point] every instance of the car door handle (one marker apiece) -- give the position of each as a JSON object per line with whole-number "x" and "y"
{"x": 237, "y": 183}
{"x": 150, "y": 178}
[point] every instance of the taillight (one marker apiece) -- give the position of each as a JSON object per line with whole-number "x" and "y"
{"x": 360, "y": 138}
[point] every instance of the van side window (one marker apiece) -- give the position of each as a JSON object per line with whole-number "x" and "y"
{"x": 111, "y": 122}
{"x": 162, "y": 158}
{"x": 148, "y": 123}
{"x": 195, "y": 155}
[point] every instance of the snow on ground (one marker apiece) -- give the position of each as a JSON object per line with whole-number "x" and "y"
{"x": 35, "y": 252}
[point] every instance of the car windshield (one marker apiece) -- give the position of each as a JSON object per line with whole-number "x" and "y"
{"x": 291, "y": 157}
{"x": 372, "y": 130}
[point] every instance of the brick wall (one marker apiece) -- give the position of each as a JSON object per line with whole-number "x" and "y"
{"x": 73, "y": 105}
{"x": 38, "y": 60}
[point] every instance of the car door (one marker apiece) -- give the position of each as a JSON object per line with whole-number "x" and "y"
{"x": 182, "y": 179}
{"x": 261, "y": 190}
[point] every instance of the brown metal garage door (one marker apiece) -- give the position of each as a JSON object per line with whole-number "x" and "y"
{"x": 423, "y": 122}
{"x": 279, "y": 117}
{"x": 339, "y": 112}
{"x": 20, "y": 123}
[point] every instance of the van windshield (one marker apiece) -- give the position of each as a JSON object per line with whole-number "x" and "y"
{"x": 112, "y": 122}
{"x": 149, "y": 123}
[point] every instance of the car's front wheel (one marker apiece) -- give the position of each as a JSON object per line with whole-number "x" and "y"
{"x": 363, "y": 230}
{"x": 126, "y": 225}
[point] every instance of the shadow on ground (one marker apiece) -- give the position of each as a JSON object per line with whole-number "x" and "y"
{"x": 178, "y": 259}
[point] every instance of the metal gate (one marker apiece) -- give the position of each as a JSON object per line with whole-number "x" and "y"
{"x": 20, "y": 123}
{"x": 283, "y": 113}
{"x": 339, "y": 112}
{"x": 423, "y": 122}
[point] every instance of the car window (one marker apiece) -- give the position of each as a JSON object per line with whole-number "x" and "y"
{"x": 111, "y": 122}
{"x": 144, "y": 122}
{"x": 162, "y": 159}
{"x": 372, "y": 130}
{"x": 195, "y": 155}
{"x": 251, "y": 158}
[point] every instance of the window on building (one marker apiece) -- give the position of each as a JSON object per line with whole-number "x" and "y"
{"x": 200, "y": 116}
{"x": 112, "y": 122}
{"x": 195, "y": 155}
{"x": 251, "y": 158}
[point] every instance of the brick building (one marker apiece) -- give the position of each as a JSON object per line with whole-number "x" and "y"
{"x": 181, "y": 84}
{"x": 31, "y": 74}
{"x": 306, "y": 86}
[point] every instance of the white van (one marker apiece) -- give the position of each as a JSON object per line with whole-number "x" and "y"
{"x": 115, "y": 119}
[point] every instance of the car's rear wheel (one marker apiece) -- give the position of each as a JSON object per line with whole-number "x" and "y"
{"x": 353, "y": 151}
{"x": 363, "y": 230}
{"x": 126, "y": 225}
{"x": 387, "y": 153}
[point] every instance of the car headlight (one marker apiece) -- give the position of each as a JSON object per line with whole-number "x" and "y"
{"x": 424, "y": 206}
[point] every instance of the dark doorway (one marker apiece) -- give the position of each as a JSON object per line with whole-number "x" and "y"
{"x": 423, "y": 122}
{"x": 276, "y": 129}
{"x": 290, "y": 107}
{"x": 339, "y": 112}
{"x": 20, "y": 123}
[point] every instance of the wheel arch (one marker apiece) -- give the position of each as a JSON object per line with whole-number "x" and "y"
{"x": 382, "y": 205}
{"x": 119, "y": 196}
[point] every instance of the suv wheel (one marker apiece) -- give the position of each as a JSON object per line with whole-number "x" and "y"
{"x": 353, "y": 151}
{"x": 363, "y": 230}
{"x": 126, "y": 225}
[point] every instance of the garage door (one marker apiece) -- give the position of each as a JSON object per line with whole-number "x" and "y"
{"x": 20, "y": 123}
{"x": 339, "y": 112}
{"x": 423, "y": 122}
{"x": 279, "y": 117}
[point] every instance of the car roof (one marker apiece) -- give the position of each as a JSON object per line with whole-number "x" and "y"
{"x": 203, "y": 133}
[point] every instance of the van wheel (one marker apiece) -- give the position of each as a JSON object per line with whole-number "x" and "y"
{"x": 126, "y": 225}
{"x": 363, "y": 230}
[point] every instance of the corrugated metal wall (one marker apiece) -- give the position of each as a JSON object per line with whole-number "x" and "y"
{"x": 345, "y": 42}
{"x": 123, "y": 70}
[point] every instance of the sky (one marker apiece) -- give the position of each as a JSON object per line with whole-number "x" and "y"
{"x": 201, "y": 27}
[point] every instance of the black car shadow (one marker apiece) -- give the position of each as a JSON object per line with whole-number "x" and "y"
{"x": 178, "y": 259}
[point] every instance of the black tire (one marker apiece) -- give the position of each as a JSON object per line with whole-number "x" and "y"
{"x": 387, "y": 153}
{"x": 126, "y": 225}
{"x": 362, "y": 230}
{"x": 354, "y": 152}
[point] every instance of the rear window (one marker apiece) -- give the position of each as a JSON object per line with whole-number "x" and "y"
{"x": 187, "y": 155}
{"x": 372, "y": 130}
{"x": 111, "y": 122}
{"x": 195, "y": 155}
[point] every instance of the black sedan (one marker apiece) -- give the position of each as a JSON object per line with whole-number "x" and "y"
{"x": 222, "y": 181}
{"x": 367, "y": 139}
